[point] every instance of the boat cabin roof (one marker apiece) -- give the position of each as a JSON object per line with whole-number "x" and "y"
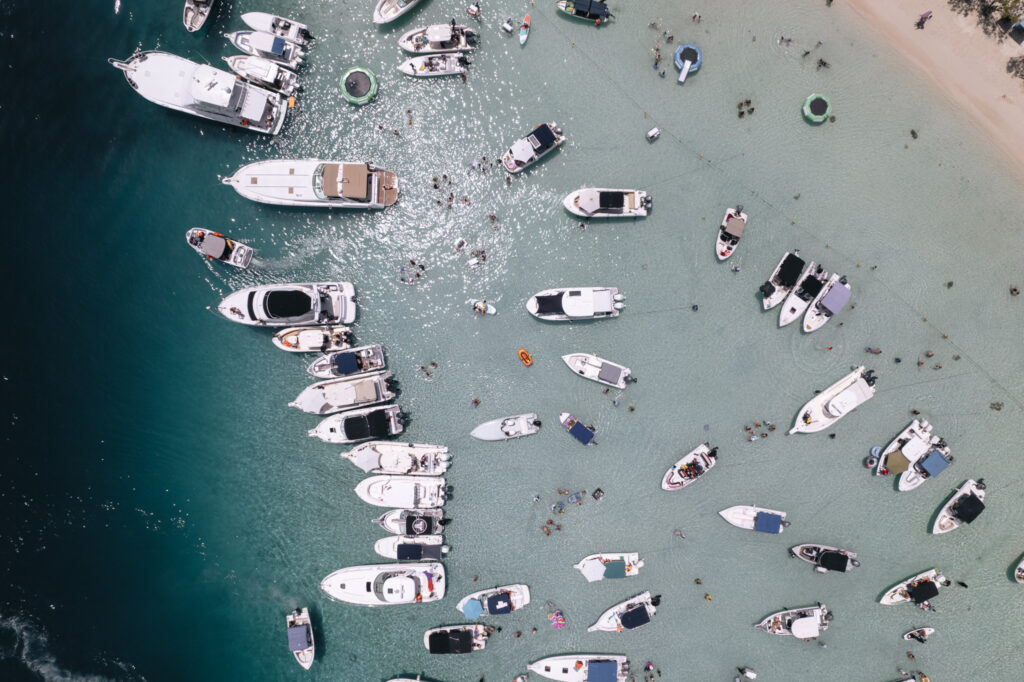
{"x": 353, "y": 184}
{"x": 214, "y": 87}
{"x": 805, "y": 627}
{"x": 789, "y": 271}
{"x": 812, "y": 285}
{"x": 934, "y": 464}
{"x": 849, "y": 398}
{"x": 611, "y": 199}
{"x": 590, "y": 8}
{"x": 399, "y": 589}
{"x": 734, "y": 226}
{"x": 602, "y": 671}
{"x": 635, "y": 617}
{"x": 415, "y": 552}
{"x": 835, "y": 299}
{"x": 923, "y": 591}
{"x": 499, "y": 603}
{"x": 287, "y": 303}
{"x": 614, "y": 569}
{"x": 450, "y": 642}
{"x": 214, "y": 246}
{"x": 968, "y": 508}
{"x": 587, "y": 302}
{"x": 439, "y": 33}
{"x": 298, "y": 637}
{"x": 610, "y": 373}
{"x": 265, "y": 42}
{"x": 541, "y": 138}
{"x": 581, "y": 433}
{"x": 834, "y": 561}
{"x": 550, "y": 305}
{"x": 767, "y": 523}
{"x": 346, "y": 363}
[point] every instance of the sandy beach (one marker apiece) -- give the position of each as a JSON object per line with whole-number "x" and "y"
{"x": 968, "y": 66}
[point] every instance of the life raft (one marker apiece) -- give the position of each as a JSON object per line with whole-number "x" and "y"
{"x": 525, "y": 356}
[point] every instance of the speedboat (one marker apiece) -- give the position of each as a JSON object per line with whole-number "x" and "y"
{"x": 407, "y": 459}
{"x": 583, "y": 303}
{"x": 913, "y": 443}
{"x": 300, "y": 637}
{"x": 599, "y": 202}
{"x": 919, "y": 589}
{"x": 610, "y": 566}
{"x": 194, "y": 17}
{"x": 829, "y": 301}
{"x": 783, "y": 279}
{"x": 528, "y": 150}
{"x": 582, "y": 668}
{"x": 494, "y": 602}
{"x": 920, "y": 634}
{"x": 203, "y": 91}
{"x": 313, "y": 183}
{"x": 408, "y": 492}
{"x": 836, "y": 401}
{"x": 1018, "y": 573}
{"x": 811, "y": 283}
{"x": 353, "y": 426}
{"x": 429, "y": 65}
{"x": 386, "y": 584}
{"x": 755, "y": 518}
{"x": 286, "y": 305}
{"x": 826, "y": 558}
{"x": 455, "y": 639}
{"x": 281, "y": 27}
{"x": 264, "y": 72}
{"x": 268, "y": 46}
{"x": 387, "y": 11}
{"x": 215, "y": 246}
{"x": 412, "y": 521}
{"x": 927, "y": 465}
{"x": 576, "y": 428}
{"x": 598, "y": 369}
{"x": 806, "y": 623}
{"x": 692, "y": 466}
{"x": 347, "y": 363}
{"x": 962, "y": 507}
{"x": 628, "y": 615}
{"x": 313, "y": 339}
{"x": 411, "y": 547}
{"x": 505, "y": 428}
{"x": 585, "y": 10}
{"x": 439, "y": 38}
{"x": 335, "y": 395}
{"x": 733, "y": 225}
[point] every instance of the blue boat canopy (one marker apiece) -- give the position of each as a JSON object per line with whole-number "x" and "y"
{"x": 581, "y": 433}
{"x": 346, "y": 363}
{"x": 298, "y": 637}
{"x": 635, "y": 617}
{"x": 473, "y": 609}
{"x": 499, "y": 603}
{"x": 602, "y": 671}
{"x": 934, "y": 464}
{"x": 835, "y": 299}
{"x": 414, "y": 552}
{"x": 768, "y": 523}
{"x": 544, "y": 137}
{"x": 590, "y": 8}
{"x": 277, "y": 47}
{"x": 615, "y": 569}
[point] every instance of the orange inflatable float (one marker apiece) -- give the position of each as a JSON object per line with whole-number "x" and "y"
{"x": 525, "y": 356}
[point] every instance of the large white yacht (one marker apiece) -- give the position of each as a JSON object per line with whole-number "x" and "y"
{"x": 386, "y": 584}
{"x": 285, "y": 305}
{"x": 599, "y": 202}
{"x": 315, "y": 183}
{"x": 583, "y": 303}
{"x": 201, "y": 90}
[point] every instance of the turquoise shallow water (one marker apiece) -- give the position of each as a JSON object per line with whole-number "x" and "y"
{"x": 163, "y": 508}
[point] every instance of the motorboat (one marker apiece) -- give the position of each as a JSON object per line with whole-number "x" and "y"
{"x": 353, "y": 426}
{"x": 497, "y": 601}
{"x": 203, "y": 91}
{"x": 812, "y": 281}
{"x": 836, "y": 401}
{"x": 455, "y": 639}
{"x": 692, "y": 466}
{"x": 406, "y": 459}
{"x": 300, "y": 637}
{"x": 806, "y": 623}
{"x": 913, "y": 443}
{"x": 411, "y": 547}
{"x": 598, "y": 369}
{"x": 600, "y": 202}
{"x": 755, "y": 518}
{"x": 528, "y": 150}
{"x": 387, "y": 11}
{"x": 582, "y": 303}
{"x": 430, "y": 65}
{"x": 919, "y": 589}
{"x": 582, "y": 668}
{"x": 314, "y": 183}
{"x": 829, "y": 301}
{"x": 1018, "y": 573}
{"x": 965, "y": 505}
{"x": 287, "y": 305}
{"x": 314, "y": 339}
{"x": 730, "y": 232}
{"x": 412, "y": 521}
{"x": 524, "y": 30}
{"x": 282, "y": 27}
{"x": 349, "y": 362}
{"x": 585, "y": 10}
{"x": 927, "y": 465}
{"x": 628, "y": 615}
{"x": 505, "y": 428}
{"x": 439, "y": 38}
{"x": 335, "y": 395}
{"x": 267, "y": 45}
{"x": 783, "y": 278}
{"x": 408, "y": 492}
{"x": 264, "y": 72}
{"x": 576, "y": 428}
{"x": 194, "y": 17}
{"x": 215, "y": 246}
{"x": 826, "y": 558}
{"x": 920, "y": 634}
{"x": 386, "y": 584}
{"x": 610, "y": 566}
{"x": 482, "y": 307}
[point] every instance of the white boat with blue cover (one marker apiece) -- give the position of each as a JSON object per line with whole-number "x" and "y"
{"x": 264, "y": 72}
{"x": 755, "y": 518}
{"x": 354, "y": 426}
{"x": 505, "y": 428}
{"x": 783, "y": 279}
{"x": 335, "y": 395}
{"x": 598, "y": 369}
{"x": 805, "y": 623}
{"x": 964, "y": 506}
{"x": 387, "y": 11}
{"x": 348, "y": 363}
{"x": 407, "y": 492}
{"x": 828, "y": 302}
{"x": 582, "y": 303}
{"x": 825, "y": 558}
{"x": 496, "y": 601}
{"x": 631, "y": 614}
{"x": 386, "y": 584}
{"x": 610, "y": 566}
{"x": 526, "y": 151}
{"x": 836, "y": 401}
{"x": 577, "y": 429}
{"x": 282, "y": 27}
{"x": 407, "y": 459}
{"x": 688, "y": 59}
{"x": 412, "y": 521}
{"x": 287, "y": 305}
{"x": 268, "y": 46}
{"x": 411, "y": 547}
{"x": 582, "y": 668}
{"x": 928, "y": 465}
{"x": 455, "y": 639}
{"x": 811, "y": 283}
{"x": 300, "y": 637}
{"x": 601, "y": 202}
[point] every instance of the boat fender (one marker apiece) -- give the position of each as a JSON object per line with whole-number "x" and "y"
{"x": 856, "y": 564}
{"x": 871, "y": 462}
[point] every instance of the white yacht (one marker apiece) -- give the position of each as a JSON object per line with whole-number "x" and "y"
{"x": 806, "y": 623}
{"x": 201, "y": 90}
{"x": 919, "y": 588}
{"x": 755, "y": 518}
{"x": 285, "y": 305}
{"x": 348, "y": 362}
{"x": 496, "y": 601}
{"x": 628, "y": 615}
{"x": 966, "y": 503}
{"x": 913, "y": 443}
{"x": 264, "y": 72}
{"x": 354, "y": 426}
{"x": 729, "y": 233}
{"x": 313, "y": 183}
{"x": 387, "y": 11}
{"x": 528, "y": 150}
{"x": 195, "y": 15}
{"x": 598, "y": 369}
{"x": 281, "y": 27}
{"x": 386, "y": 584}
{"x": 825, "y": 558}
{"x": 582, "y": 668}
{"x": 610, "y": 566}
{"x": 407, "y": 459}
{"x": 335, "y": 395}
{"x": 455, "y": 639}
{"x": 827, "y": 303}
{"x": 783, "y": 279}
{"x": 408, "y": 492}
{"x": 505, "y": 428}
{"x": 582, "y": 303}
{"x": 692, "y": 466}
{"x": 411, "y": 547}
{"x": 300, "y": 637}
{"x": 836, "y": 401}
{"x": 431, "y": 65}
{"x": 439, "y": 38}
{"x": 600, "y": 202}
{"x": 412, "y": 522}
{"x": 313, "y": 339}
{"x": 215, "y": 246}
{"x": 811, "y": 283}
{"x": 268, "y": 46}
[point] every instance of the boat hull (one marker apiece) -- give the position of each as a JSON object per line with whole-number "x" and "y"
{"x": 507, "y": 428}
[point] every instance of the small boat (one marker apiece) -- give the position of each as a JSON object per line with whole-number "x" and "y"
{"x": 300, "y": 637}
{"x": 919, "y": 589}
{"x": 289, "y": 305}
{"x": 920, "y": 634}
{"x": 598, "y": 369}
{"x": 913, "y": 443}
{"x": 628, "y": 615}
{"x": 585, "y": 10}
{"x": 688, "y": 59}
{"x": 1018, "y": 573}
{"x": 600, "y": 202}
{"x": 494, "y": 602}
{"x": 281, "y": 27}
{"x": 524, "y": 30}
{"x": 829, "y": 301}
{"x": 927, "y": 465}
{"x": 730, "y": 232}
{"x": 525, "y": 357}
{"x": 386, "y": 584}
{"x": 806, "y": 623}
{"x": 506, "y": 428}
{"x": 314, "y": 183}
{"x": 268, "y": 46}
{"x": 412, "y": 522}
{"x": 783, "y": 279}
{"x": 264, "y": 72}
{"x": 194, "y": 17}
{"x": 965, "y": 505}
{"x": 411, "y": 547}
{"x": 455, "y": 639}
{"x": 755, "y": 518}
{"x": 313, "y": 339}
{"x": 692, "y": 466}
{"x": 407, "y": 459}
{"x": 483, "y": 307}
{"x": 811, "y": 283}
{"x": 430, "y": 65}
{"x": 836, "y": 401}
{"x": 407, "y": 492}
{"x": 583, "y": 303}
{"x": 347, "y": 363}
{"x": 582, "y": 668}
{"x": 335, "y": 395}
{"x": 353, "y": 426}
{"x": 387, "y": 11}
{"x": 528, "y": 150}
{"x": 215, "y": 246}
{"x": 826, "y": 558}
{"x": 439, "y": 38}
{"x": 508, "y": 26}
{"x": 610, "y": 566}
{"x": 576, "y": 428}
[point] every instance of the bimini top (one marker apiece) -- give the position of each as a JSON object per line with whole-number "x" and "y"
{"x": 473, "y": 609}
{"x": 805, "y": 628}
{"x": 835, "y": 299}
{"x": 602, "y": 671}
{"x": 499, "y": 603}
{"x": 635, "y": 617}
{"x": 790, "y": 270}
{"x": 214, "y": 246}
{"x": 734, "y": 226}
{"x": 934, "y": 464}
{"x": 541, "y": 138}
{"x": 968, "y": 508}
{"x": 450, "y": 642}
{"x": 590, "y": 8}
{"x": 298, "y": 638}
{"x": 550, "y": 305}
{"x": 611, "y": 199}
{"x": 413, "y": 552}
{"x": 373, "y": 425}
{"x": 834, "y": 561}
{"x": 287, "y": 303}
{"x": 439, "y": 33}
{"x": 581, "y": 433}
{"x": 923, "y": 591}
{"x": 811, "y": 286}
{"x": 767, "y": 523}
{"x": 346, "y": 363}
{"x": 610, "y": 373}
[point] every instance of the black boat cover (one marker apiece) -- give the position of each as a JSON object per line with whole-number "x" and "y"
{"x": 590, "y": 8}
{"x": 968, "y": 508}
{"x": 635, "y": 617}
{"x": 419, "y": 525}
{"x": 499, "y": 603}
{"x": 550, "y": 305}
{"x": 417, "y": 552}
{"x": 833, "y": 561}
{"x": 611, "y": 199}
{"x": 923, "y": 591}
{"x": 357, "y": 428}
{"x": 346, "y": 363}
{"x": 811, "y": 286}
{"x": 790, "y": 271}
{"x": 450, "y": 642}
{"x": 287, "y": 303}
{"x": 298, "y": 638}
{"x": 544, "y": 135}
{"x": 380, "y": 425}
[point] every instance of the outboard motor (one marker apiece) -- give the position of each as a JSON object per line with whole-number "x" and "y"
{"x": 767, "y": 289}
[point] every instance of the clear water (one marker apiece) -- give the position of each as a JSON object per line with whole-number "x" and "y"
{"x": 163, "y": 508}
